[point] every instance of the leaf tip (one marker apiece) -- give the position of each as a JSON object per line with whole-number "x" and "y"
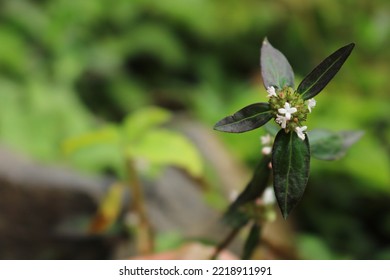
{"x": 217, "y": 126}
{"x": 349, "y": 47}
{"x": 222, "y": 127}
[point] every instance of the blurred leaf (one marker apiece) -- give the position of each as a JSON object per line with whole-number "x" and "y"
{"x": 275, "y": 69}
{"x": 140, "y": 122}
{"x": 317, "y": 79}
{"x": 251, "y": 242}
{"x": 235, "y": 216}
{"x": 248, "y": 118}
{"x": 100, "y": 158}
{"x": 161, "y": 146}
{"x": 351, "y": 137}
{"x": 98, "y": 151}
{"x": 108, "y": 135}
{"x": 109, "y": 209}
{"x": 327, "y": 145}
{"x": 290, "y": 165}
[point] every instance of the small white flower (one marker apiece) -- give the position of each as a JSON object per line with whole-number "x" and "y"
{"x": 271, "y": 91}
{"x": 282, "y": 120}
{"x": 300, "y": 130}
{"x": 311, "y": 104}
{"x": 266, "y": 150}
{"x": 287, "y": 110}
{"x": 266, "y": 139}
{"x": 269, "y": 196}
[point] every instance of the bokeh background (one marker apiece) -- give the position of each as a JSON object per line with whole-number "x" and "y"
{"x": 71, "y": 67}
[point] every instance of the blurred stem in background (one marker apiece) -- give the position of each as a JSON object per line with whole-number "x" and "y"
{"x": 144, "y": 238}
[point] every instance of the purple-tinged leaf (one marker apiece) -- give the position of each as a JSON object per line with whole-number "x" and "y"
{"x": 275, "y": 69}
{"x": 248, "y": 118}
{"x": 328, "y": 145}
{"x": 317, "y": 79}
{"x": 290, "y": 166}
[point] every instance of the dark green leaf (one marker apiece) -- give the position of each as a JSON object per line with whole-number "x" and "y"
{"x": 317, "y": 79}
{"x": 290, "y": 165}
{"x": 275, "y": 69}
{"x": 251, "y": 242}
{"x": 236, "y": 215}
{"x": 248, "y": 118}
{"x": 327, "y": 145}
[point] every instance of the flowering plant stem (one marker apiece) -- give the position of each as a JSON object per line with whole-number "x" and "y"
{"x": 289, "y": 155}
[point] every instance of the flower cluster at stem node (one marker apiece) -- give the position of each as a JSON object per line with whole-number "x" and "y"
{"x": 290, "y": 109}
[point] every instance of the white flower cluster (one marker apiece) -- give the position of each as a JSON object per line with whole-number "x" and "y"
{"x": 285, "y": 114}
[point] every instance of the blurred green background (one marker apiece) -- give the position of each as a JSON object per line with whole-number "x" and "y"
{"x": 69, "y": 67}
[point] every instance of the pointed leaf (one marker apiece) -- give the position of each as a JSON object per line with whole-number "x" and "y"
{"x": 248, "y": 118}
{"x": 351, "y": 137}
{"x": 275, "y": 69}
{"x": 235, "y": 216}
{"x": 251, "y": 242}
{"x": 327, "y": 145}
{"x": 290, "y": 165}
{"x": 317, "y": 79}
{"x": 165, "y": 147}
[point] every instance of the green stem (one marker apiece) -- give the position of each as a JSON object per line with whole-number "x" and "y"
{"x": 144, "y": 232}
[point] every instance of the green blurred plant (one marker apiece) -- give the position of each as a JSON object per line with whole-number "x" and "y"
{"x": 139, "y": 140}
{"x": 140, "y": 137}
{"x": 288, "y": 155}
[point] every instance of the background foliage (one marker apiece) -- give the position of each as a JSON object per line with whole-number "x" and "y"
{"x": 71, "y": 67}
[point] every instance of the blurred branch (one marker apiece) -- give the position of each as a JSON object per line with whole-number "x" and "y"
{"x": 228, "y": 239}
{"x": 144, "y": 233}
